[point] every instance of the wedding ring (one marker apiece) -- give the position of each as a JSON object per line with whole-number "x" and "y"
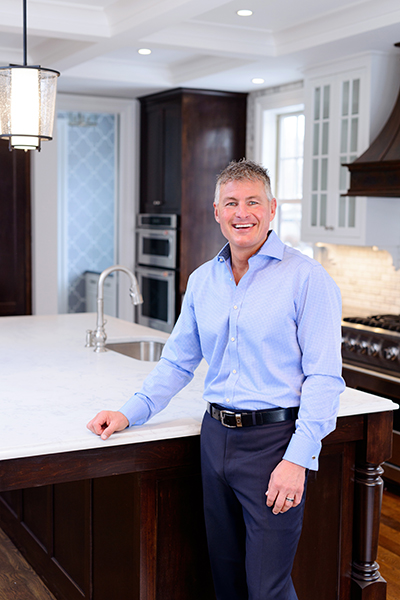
{"x": 290, "y": 499}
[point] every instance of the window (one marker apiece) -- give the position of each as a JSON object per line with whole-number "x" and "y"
{"x": 289, "y": 179}
{"x": 278, "y": 130}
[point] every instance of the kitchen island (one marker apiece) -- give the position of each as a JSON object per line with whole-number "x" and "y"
{"x": 122, "y": 519}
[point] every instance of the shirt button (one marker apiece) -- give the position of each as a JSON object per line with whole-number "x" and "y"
{"x": 232, "y": 339}
{"x": 234, "y": 371}
{"x": 235, "y": 307}
{"x": 227, "y": 400}
{"x": 313, "y": 457}
{"x": 221, "y": 259}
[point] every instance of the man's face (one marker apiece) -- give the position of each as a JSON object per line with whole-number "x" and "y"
{"x": 244, "y": 214}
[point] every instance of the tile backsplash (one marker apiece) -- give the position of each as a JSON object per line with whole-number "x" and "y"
{"x": 368, "y": 281}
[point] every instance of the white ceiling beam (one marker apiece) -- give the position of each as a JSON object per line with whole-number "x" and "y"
{"x": 339, "y": 24}
{"x": 52, "y": 51}
{"x": 203, "y": 67}
{"x": 54, "y": 19}
{"x": 221, "y": 40}
{"x": 122, "y": 72}
{"x": 126, "y": 15}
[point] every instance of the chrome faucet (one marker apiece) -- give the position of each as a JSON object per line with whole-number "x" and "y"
{"x": 98, "y": 337}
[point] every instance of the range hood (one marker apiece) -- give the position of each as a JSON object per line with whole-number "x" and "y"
{"x": 377, "y": 171}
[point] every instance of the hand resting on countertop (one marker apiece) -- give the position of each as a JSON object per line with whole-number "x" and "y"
{"x": 107, "y": 422}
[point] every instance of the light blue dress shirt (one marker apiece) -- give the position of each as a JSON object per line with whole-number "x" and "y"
{"x": 273, "y": 340}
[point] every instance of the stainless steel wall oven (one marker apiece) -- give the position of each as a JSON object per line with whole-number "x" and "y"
{"x": 156, "y": 241}
{"x": 156, "y": 270}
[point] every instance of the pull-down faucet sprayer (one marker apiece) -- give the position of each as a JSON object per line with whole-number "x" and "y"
{"x": 98, "y": 337}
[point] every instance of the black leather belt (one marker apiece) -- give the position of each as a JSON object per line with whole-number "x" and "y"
{"x": 233, "y": 418}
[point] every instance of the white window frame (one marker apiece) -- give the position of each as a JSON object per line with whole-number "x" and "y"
{"x": 266, "y": 109}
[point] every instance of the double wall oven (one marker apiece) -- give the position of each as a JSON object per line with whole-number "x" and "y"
{"x": 371, "y": 363}
{"x": 157, "y": 269}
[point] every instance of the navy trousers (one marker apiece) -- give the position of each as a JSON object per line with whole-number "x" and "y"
{"x": 251, "y": 549}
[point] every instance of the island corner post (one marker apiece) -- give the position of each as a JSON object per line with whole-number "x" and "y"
{"x": 375, "y": 449}
{"x": 154, "y": 489}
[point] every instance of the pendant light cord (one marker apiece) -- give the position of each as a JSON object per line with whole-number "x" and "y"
{"x": 25, "y": 43}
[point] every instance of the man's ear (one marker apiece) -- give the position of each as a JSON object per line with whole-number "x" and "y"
{"x": 273, "y": 208}
{"x": 216, "y": 215}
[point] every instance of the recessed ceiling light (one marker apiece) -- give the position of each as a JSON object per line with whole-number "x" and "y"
{"x": 144, "y": 51}
{"x": 244, "y": 13}
{"x": 257, "y": 80}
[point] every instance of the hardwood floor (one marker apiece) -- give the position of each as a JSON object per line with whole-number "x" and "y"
{"x": 19, "y": 582}
{"x": 389, "y": 544}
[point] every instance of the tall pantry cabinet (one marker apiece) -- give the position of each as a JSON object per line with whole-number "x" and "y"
{"x": 187, "y": 137}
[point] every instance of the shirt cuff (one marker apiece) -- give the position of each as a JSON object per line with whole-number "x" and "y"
{"x": 135, "y": 410}
{"x": 304, "y": 452}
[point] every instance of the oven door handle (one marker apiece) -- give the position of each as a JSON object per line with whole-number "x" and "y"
{"x": 371, "y": 372}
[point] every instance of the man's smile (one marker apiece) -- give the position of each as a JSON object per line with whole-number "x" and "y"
{"x": 243, "y": 225}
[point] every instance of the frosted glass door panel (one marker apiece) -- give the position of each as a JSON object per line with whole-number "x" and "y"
{"x": 320, "y": 144}
{"x": 88, "y": 200}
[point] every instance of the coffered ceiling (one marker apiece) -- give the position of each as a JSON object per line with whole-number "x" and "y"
{"x": 194, "y": 43}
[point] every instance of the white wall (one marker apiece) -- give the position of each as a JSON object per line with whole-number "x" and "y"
{"x": 45, "y": 214}
{"x": 44, "y": 229}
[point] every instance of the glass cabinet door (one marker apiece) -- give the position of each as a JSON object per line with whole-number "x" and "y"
{"x": 335, "y": 137}
{"x": 320, "y": 146}
{"x": 349, "y": 126}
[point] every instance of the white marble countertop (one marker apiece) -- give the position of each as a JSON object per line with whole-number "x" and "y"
{"x": 51, "y": 386}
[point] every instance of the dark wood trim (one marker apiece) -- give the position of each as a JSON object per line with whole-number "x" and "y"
{"x": 87, "y": 464}
{"x": 131, "y": 458}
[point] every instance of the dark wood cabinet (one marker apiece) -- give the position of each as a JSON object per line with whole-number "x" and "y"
{"x": 187, "y": 138}
{"x": 160, "y": 155}
{"x": 132, "y": 536}
{"x": 15, "y": 232}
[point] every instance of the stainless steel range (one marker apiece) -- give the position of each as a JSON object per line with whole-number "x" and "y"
{"x": 371, "y": 363}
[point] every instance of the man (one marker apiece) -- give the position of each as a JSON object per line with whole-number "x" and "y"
{"x": 267, "y": 320}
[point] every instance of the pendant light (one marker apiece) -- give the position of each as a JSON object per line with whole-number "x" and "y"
{"x": 27, "y": 102}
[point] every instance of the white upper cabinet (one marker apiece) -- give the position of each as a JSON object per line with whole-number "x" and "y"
{"x": 346, "y": 106}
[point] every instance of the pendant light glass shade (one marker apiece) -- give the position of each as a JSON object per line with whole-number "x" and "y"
{"x": 27, "y": 105}
{"x": 27, "y": 101}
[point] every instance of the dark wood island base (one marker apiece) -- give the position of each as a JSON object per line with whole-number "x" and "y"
{"x": 125, "y": 522}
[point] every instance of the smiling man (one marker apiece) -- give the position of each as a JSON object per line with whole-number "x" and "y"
{"x": 267, "y": 320}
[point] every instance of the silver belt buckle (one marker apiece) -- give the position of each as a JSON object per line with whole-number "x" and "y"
{"x": 238, "y": 418}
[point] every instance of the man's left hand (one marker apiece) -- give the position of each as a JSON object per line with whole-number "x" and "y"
{"x": 286, "y": 486}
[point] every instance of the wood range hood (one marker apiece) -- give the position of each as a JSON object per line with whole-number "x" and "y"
{"x": 377, "y": 171}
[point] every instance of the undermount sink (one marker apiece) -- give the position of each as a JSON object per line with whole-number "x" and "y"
{"x": 140, "y": 349}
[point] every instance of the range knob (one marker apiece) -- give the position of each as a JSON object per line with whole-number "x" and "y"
{"x": 349, "y": 344}
{"x": 362, "y": 347}
{"x": 391, "y": 352}
{"x": 373, "y": 349}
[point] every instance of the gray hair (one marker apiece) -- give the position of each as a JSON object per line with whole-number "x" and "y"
{"x": 243, "y": 170}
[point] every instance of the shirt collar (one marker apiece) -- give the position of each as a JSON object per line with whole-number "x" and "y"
{"x": 272, "y": 247}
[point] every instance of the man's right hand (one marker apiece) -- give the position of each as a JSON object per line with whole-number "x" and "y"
{"x": 106, "y": 422}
